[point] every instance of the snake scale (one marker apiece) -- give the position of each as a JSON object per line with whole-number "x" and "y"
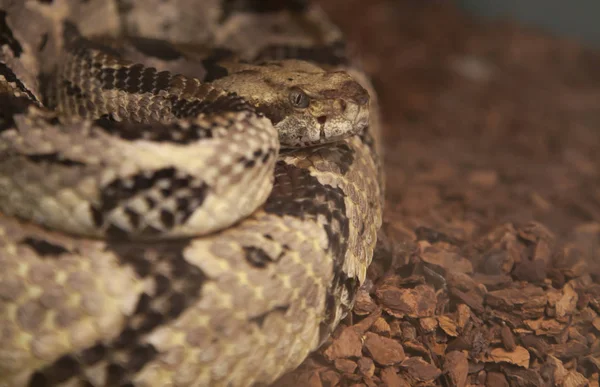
{"x": 190, "y": 190}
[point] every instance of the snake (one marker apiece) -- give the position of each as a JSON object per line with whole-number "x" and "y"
{"x": 190, "y": 190}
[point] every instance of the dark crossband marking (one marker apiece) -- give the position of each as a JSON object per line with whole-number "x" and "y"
{"x": 320, "y": 199}
{"x": 189, "y": 194}
{"x": 342, "y": 154}
{"x": 212, "y": 67}
{"x": 230, "y": 102}
{"x": 54, "y": 158}
{"x": 177, "y": 286}
{"x": 176, "y": 133}
{"x": 10, "y": 77}
{"x": 44, "y": 248}
{"x": 7, "y": 37}
{"x": 328, "y": 55}
{"x": 262, "y": 6}
{"x": 135, "y": 79}
{"x": 79, "y": 45}
{"x": 157, "y": 48}
{"x": 259, "y": 156}
{"x": 11, "y": 106}
{"x": 292, "y": 183}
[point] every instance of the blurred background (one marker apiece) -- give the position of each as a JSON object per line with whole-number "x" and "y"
{"x": 577, "y": 19}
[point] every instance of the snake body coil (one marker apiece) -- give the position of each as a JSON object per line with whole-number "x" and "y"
{"x": 190, "y": 191}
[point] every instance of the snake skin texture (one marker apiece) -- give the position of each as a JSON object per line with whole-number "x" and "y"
{"x": 190, "y": 190}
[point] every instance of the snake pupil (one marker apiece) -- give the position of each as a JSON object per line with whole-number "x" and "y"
{"x": 298, "y": 98}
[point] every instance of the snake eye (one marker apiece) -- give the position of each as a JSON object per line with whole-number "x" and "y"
{"x": 298, "y": 98}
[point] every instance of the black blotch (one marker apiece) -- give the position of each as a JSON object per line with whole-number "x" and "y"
{"x": 178, "y": 285}
{"x": 262, "y": 6}
{"x": 155, "y": 131}
{"x": 115, "y": 232}
{"x": 162, "y": 82}
{"x": 293, "y": 183}
{"x": 167, "y": 218}
{"x": 11, "y": 106}
{"x": 78, "y": 44}
{"x": 143, "y": 305}
{"x": 140, "y": 356}
{"x": 260, "y": 319}
{"x": 133, "y": 217}
{"x": 7, "y": 37}
{"x": 177, "y": 304}
{"x": 333, "y": 54}
{"x": 162, "y": 284}
{"x": 119, "y": 191}
{"x": 44, "y": 248}
{"x": 155, "y": 47}
{"x": 248, "y": 163}
{"x": 108, "y": 78}
{"x": 60, "y": 371}
{"x": 274, "y": 112}
{"x": 182, "y": 108}
{"x": 267, "y": 156}
{"x": 72, "y": 90}
{"x": 345, "y": 155}
{"x": 115, "y": 374}
{"x": 93, "y": 355}
{"x": 256, "y": 256}
{"x": 135, "y": 79}
{"x": 97, "y": 216}
{"x": 211, "y": 64}
{"x": 38, "y": 380}
{"x": 8, "y": 100}
{"x": 54, "y": 158}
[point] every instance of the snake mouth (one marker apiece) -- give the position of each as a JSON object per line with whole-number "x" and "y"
{"x": 353, "y": 121}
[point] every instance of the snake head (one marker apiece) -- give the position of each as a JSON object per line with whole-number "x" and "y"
{"x": 307, "y": 104}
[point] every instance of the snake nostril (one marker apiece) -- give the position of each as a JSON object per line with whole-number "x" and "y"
{"x": 321, "y": 119}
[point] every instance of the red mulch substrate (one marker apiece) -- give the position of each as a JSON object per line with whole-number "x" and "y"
{"x": 489, "y": 271}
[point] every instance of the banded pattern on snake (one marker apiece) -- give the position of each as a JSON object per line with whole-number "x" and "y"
{"x": 186, "y": 198}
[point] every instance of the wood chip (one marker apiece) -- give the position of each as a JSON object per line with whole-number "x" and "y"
{"x": 381, "y": 327}
{"x": 347, "y": 344}
{"x": 496, "y": 379}
{"x": 366, "y": 366}
{"x": 383, "y": 350}
{"x": 417, "y": 302}
{"x": 345, "y": 365}
{"x": 520, "y": 356}
{"x": 390, "y": 378}
{"x": 448, "y": 326}
{"x": 420, "y": 370}
{"x": 456, "y": 366}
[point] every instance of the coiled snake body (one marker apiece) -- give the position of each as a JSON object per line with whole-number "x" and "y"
{"x": 192, "y": 213}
